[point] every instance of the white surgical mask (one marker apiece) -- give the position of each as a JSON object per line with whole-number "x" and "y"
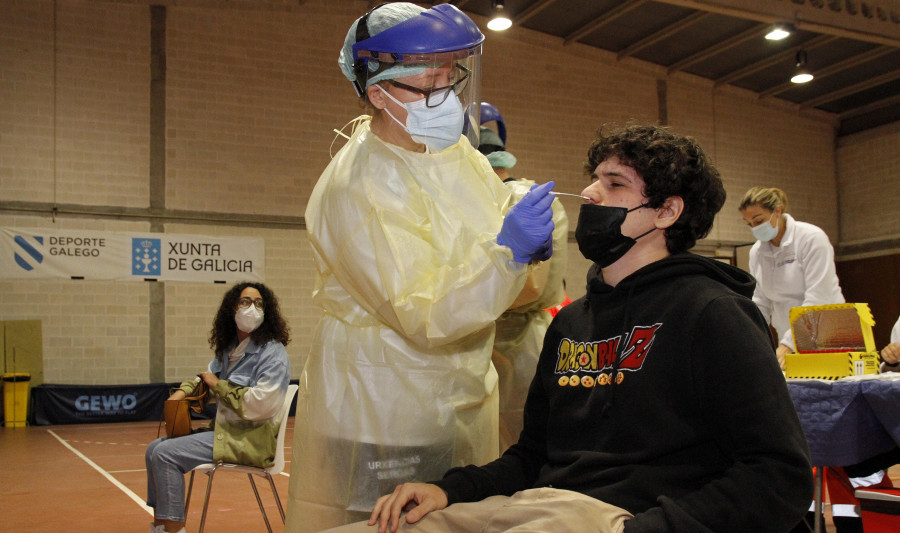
{"x": 248, "y": 319}
{"x": 765, "y": 232}
{"x": 438, "y": 127}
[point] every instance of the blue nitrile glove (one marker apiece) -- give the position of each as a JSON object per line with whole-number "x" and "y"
{"x": 528, "y": 227}
{"x": 547, "y": 250}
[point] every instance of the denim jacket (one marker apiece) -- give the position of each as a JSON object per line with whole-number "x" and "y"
{"x": 249, "y": 398}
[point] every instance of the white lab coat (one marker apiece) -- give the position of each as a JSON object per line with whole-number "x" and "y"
{"x": 399, "y": 383}
{"x": 895, "y": 332}
{"x": 797, "y": 273}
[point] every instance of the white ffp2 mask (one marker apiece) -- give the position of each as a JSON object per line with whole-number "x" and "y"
{"x": 248, "y": 319}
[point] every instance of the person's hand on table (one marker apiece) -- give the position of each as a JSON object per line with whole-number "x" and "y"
{"x": 890, "y": 354}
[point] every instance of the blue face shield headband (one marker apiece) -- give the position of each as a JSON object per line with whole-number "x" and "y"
{"x": 437, "y": 35}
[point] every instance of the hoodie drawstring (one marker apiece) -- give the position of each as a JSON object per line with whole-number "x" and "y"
{"x": 626, "y": 318}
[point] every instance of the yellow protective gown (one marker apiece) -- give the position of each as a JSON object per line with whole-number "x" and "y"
{"x": 520, "y": 330}
{"x": 399, "y": 383}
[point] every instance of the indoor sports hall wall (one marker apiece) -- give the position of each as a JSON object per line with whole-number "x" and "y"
{"x": 215, "y": 117}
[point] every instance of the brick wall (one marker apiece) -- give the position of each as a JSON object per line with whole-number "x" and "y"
{"x": 869, "y": 185}
{"x": 96, "y": 83}
{"x": 253, "y": 93}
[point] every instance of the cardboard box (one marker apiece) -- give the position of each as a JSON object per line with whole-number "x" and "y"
{"x": 832, "y": 341}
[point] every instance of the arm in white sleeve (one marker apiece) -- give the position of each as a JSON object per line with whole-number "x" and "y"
{"x": 759, "y": 297}
{"x": 819, "y": 272}
{"x": 816, "y": 255}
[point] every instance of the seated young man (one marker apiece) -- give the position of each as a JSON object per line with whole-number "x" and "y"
{"x": 658, "y": 403}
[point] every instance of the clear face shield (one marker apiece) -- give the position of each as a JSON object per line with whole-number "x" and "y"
{"x": 436, "y": 75}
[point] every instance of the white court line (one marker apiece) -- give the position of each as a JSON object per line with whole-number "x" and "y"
{"x": 105, "y": 474}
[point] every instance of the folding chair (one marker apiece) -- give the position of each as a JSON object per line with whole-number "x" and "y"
{"x": 211, "y": 468}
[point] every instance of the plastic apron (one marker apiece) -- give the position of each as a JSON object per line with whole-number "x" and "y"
{"x": 399, "y": 384}
{"x": 520, "y": 330}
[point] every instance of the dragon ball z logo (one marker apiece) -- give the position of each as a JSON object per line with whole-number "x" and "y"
{"x": 590, "y": 363}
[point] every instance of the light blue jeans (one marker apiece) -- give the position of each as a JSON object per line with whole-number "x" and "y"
{"x": 167, "y": 462}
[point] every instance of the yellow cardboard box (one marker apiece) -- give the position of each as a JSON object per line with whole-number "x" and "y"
{"x": 832, "y": 341}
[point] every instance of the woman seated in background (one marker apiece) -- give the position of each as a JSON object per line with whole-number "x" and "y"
{"x": 249, "y": 376}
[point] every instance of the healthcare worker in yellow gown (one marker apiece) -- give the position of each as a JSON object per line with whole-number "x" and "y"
{"x": 417, "y": 253}
{"x": 520, "y": 330}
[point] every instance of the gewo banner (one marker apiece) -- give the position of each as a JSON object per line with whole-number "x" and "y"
{"x": 121, "y": 256}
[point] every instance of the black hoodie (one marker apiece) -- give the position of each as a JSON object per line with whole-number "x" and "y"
{"x": 662, "y": 396}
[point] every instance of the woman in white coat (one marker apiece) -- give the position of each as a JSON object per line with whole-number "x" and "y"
{"x": 792, "y": 261}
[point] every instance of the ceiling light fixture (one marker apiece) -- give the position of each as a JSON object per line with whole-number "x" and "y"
{"x": 779, "y": 32}
{"x": 500, "y": 21}
{"x": 802, "y": 74}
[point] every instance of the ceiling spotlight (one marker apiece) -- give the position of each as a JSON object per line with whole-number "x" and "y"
{"x": 500, "y": 21}
{"x": 779, "y": 32}
{"x": 802, "y": 74}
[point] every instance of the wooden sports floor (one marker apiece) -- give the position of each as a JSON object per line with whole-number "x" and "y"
{"x": 91, "y": 477}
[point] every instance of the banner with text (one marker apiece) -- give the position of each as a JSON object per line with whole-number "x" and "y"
{"x": 96, "y": 255}
{"x": 85, "y": 404}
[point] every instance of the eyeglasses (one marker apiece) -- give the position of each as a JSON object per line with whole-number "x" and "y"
{"x": 436, "y": 97}
{"x": 245, "y": 302}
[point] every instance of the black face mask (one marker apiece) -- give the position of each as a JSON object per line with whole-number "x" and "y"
{"x": 599, "y": 233}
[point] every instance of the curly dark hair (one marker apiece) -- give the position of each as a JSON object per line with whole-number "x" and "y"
{"x": 224, "y": 329}
{"x": 670, "y": 165}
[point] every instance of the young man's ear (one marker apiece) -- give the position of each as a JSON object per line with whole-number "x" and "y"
{"x": 377, "y": 99}
{"x": 669, "y": 212}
